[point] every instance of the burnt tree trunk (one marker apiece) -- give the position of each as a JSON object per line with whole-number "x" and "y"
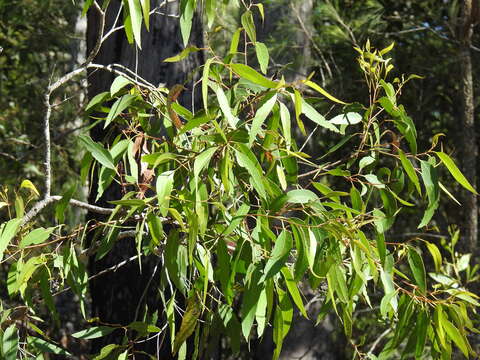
{"x": 116, "y": 295}
{"x": 470, "y": 146}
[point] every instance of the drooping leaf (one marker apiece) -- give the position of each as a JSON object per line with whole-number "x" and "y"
{"x": 27, "y": 184}
{"x": 249, "y": 26}
{"x": 93, "y": 332}
{"x": 10, "y": 343}
{"x": 118, "y": 106}
{"x": 293, "y": 290}
{"x": 418, "y": 269}
{"x": 350, "y": 118}
{"x": 262, "y": 56}
{"x": 315, "y": 116}
{"x": 260, "y": 117}
{"x": 135, "y": 11}
{"x": 248, "y": 73}
{"x": 454, "y": 334}
{"x": 279, "y": 255}
{"x": 183, "y": 54}
{"x": 118, "y": 84}
{"x": 408, "y": 167}
{"x": 7, "y": 232}
{"x": 323, "y": 92}
{"x": 187, "y": 11}
{"x": 189, "y": 322}
{"x": 36, "y": 236}
{"x": 100, "y": 154}
{"x": 456, "y": 173}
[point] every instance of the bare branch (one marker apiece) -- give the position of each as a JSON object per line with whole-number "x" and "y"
{"x": 39, "y": 206}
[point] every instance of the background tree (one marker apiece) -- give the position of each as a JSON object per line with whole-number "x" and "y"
{"x": 238, "y": 214}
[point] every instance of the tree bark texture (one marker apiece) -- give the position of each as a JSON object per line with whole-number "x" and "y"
{"x": 116, "y": 295}
{"x": 470, "y": 146}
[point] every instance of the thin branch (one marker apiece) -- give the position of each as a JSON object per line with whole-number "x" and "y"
{"x": 104, "y": 271}
{"x": 99, "y": 42}
{"x": 39, "y": 206}
{"x": 377, "y": 341}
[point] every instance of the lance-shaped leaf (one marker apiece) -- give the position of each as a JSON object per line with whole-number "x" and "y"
{"x": 260, "y": 117}
{"x": 279, "y": 255}
{"x": 456, "y": 173}
{"x": 100, "y": 154}
{"x": 418, "y": 269}
{"x": 248, "y": 73}
{"x": 135, "y": 11}
{"x": 189, "y": 322}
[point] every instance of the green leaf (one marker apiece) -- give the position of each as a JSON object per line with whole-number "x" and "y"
{"x": 106, "y": 351}
{"x": 350, "y": 118}
{"x": 188, "y": 9}
{"x": 225, "y": 106}
{"x": 235, "y": 40}
{"x": 456, "y": 173}
{"x": 118, "y": 106}
{"x": 261, "y": 312}
{"x": 315, "y": 116}
{"x": 418, "y": 269}
{"x": 27, "y": 184}
{"x": 201, "y": 161}
{"x": 93, "y": 333}
{"x": 135, "y": 11}
{"x": 36, "y": 236}
{"x": 421, "y": 333}
{"x": 286, "y": 125}
{"x": 206, "y": 74}
{"x": 100, "y": 154}
{"x": 298, "y": 101}
{"x": 44, "y": 346}
{"x": 164, "y": 189}
{"x": 408, "y": 167}
{"x": 146, "y": 12}
{"x": 262, "y": 56}
{"x": 336, "y": 280}
{"x": 374, "y": 181}
{"x": 99, "y": 98}
{"x": 7, "y": 232}
{"x": 293, "y": 290}
{"x": 430, "y": 180}
{"x": 248, "y": 25}
{"x": 436, "y": 255}
{"x": 183, "y": 54}
{"x": 63, "y": 203}
{"x": 260, "y": 117}
{"x": 189, "y": 322}
{"x": 323, "y": 92}
{"x": 248, "y": 73}
{"x": 454, "y": 334}
{"x": 10, "y": 343}
{"x": 245, "y": 162}
{"x": 279, "y": 255}
{"x": 118, "y": 84}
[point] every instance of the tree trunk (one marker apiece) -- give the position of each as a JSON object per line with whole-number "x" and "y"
{"x": 470, "y": 150}
{"x": 116, "y": 295}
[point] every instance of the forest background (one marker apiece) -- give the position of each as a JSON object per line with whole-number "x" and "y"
{"x": 42, "y": 40}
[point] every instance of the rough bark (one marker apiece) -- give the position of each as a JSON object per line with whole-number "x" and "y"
{"x": 470, "y": 146}
{"x": 116, "y": 295}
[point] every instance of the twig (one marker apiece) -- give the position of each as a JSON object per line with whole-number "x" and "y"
{"x": 377, "y": 341}
{"x": 104, "y": 271}
{"x": 39, "y": 206}
{"x": 312, "y": 41}
{"x": 99, "y": 42}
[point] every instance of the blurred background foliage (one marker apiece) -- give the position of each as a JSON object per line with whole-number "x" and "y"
{"x": 40, "y": 39}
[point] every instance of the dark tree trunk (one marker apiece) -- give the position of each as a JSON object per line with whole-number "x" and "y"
{"x": 116, "y": 295}
{"x": 470, "y": 150}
